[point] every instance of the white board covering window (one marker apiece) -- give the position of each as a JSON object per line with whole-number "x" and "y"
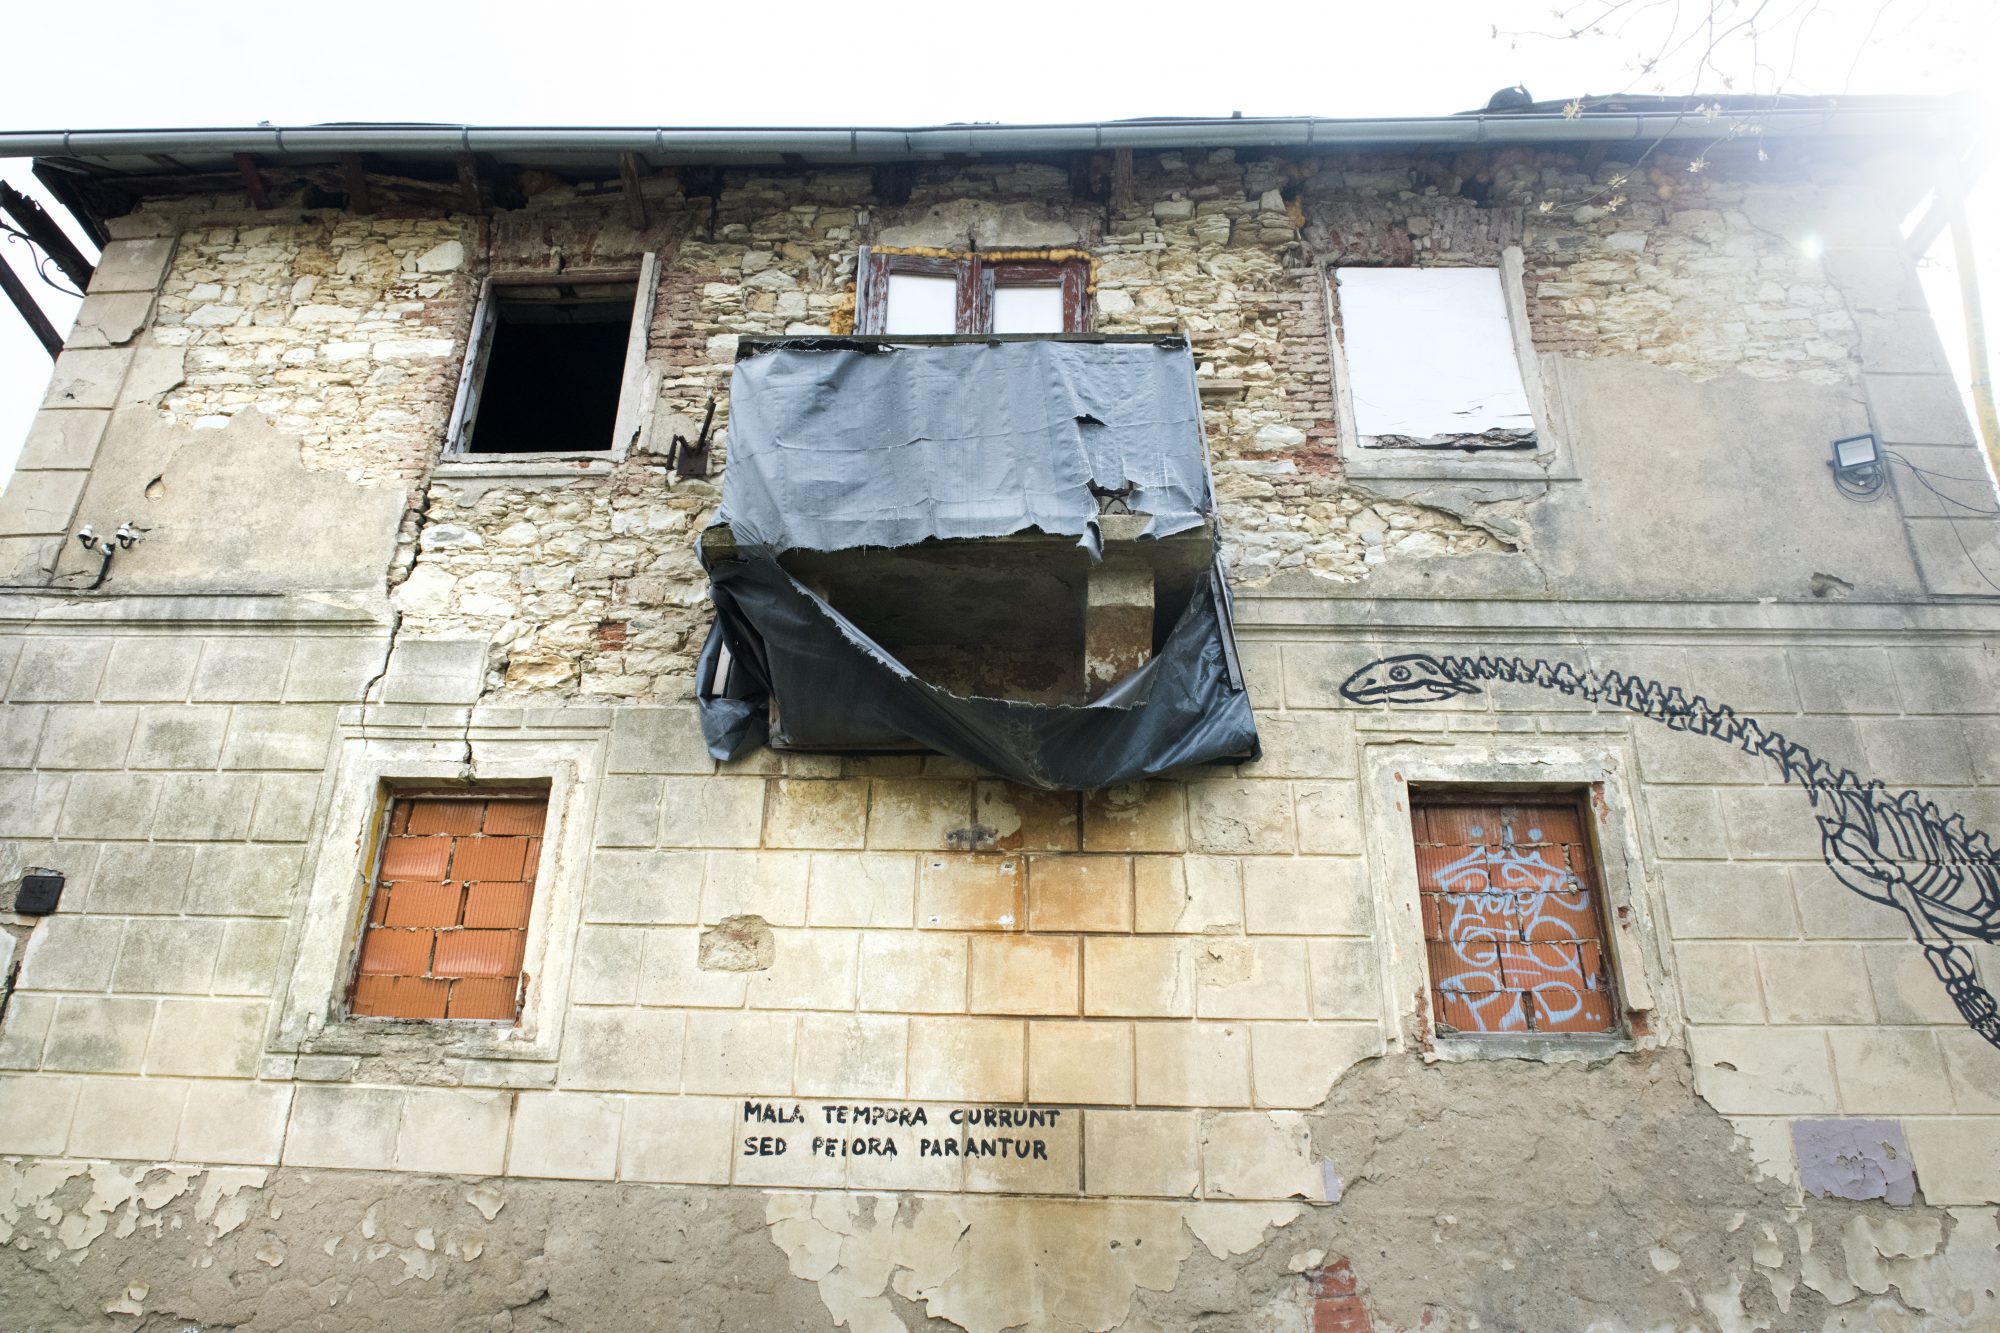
{"x": 1024, "y": 309}
{"x": 1431, "y": 359}
{"x": 922, "y": 304}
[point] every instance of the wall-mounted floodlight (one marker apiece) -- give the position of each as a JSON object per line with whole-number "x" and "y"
{"x": 1857, "y": 465}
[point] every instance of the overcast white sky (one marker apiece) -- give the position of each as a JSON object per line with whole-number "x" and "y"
{"x": 134, "y": 63}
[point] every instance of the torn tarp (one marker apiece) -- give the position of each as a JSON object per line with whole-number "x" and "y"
{"x": 837, "y": 445}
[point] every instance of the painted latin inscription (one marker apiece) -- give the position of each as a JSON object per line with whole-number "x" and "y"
{"x": 875, "y": 1129}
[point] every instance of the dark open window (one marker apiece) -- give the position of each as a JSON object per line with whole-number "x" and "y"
{"x": 551, "y": 367}
{"x": 933, "y": 294}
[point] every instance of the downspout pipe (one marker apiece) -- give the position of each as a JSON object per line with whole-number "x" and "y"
{"x": 1926, "y": 119}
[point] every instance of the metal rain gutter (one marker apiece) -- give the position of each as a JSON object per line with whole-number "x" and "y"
{"x": 1926, "y": 119}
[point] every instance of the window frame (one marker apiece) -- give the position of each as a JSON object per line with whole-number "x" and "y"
{"x": 380, "y": 832}
{"x": 977, "y": 276}
{"x": 638, "y": 383}
{"x": 1549, "y": 460}
{"x": 368, "y": 769}
{"x": 1432, "y": 797}
{"x": 1646, "y": 1007}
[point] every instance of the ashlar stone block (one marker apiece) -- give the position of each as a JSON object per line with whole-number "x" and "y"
{"x": 1136, "y": 817}
{"x": 128, "y": 1118}
{"x": 1142, "y": 1154}
{"x": 1026, "y": 820}
{"x": 179, "y": 737}
{"x": 1890, "y": 1071}
{"x": 1040, "y": 1159}
{"x": 1958, "y": 1159}
{"x": 771, "y": 885}
{"x": 453, "y": 1132}
{"x": 739, "y": 1054}
{"x": 565, "y": 1136}
{"x": 967, "y": 1059}
{"x": 35, "y": 1113}
{"x": 862, "y": 889}
{"x": 1307, "y": 895}
{"x": 1295, "y": 1065}
{"x": 243, "y": 880}
{"x": 671, "y": 974}
{"x": 913, "y": 973}
{"x": 1187, "y": 894}
{"x": 1080, "y": 1062}
{"x": 155, "y": 668}
{"x": 645, "y": 887}
{"x": 171, "y": 955}
{"x": 851, "y": 1055}
{"x": 1080, "y": 893}
{"x": 1815, "y": 983}
{"x": 811, "y": 812}
{"x": 75, "y": 953}
{"x": 1763, "y": 1071}
{"x": 1241, "y": 817}
{"x": 1251, "y": 978}
{"x": 1024, "y": 974}
{"x": 957, "y": 891}
{"x": 1346, "y": 978}
{"x": 232, "y": 1122}
{"x": 810, "y": 969}
{"x": 919, "y": 814}
{"x": 1193, "y": 1064}
{"x": 337, "y": 1125}
{"x": 637, "y": 1050}
{"x": 678, "y": 1140}
{"x": 146, "y": 878}
{"x": 1719, "y": 983}
{"x": 1138, "y": 978}
{"x": 1259, "y": 1155}
{"x": 207, "y": 1038}
{"x": 709, "y": 811}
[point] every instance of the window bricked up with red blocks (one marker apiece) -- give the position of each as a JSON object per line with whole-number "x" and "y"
{"x": 448, "y": 918}
{"x": 1512, "y": 917}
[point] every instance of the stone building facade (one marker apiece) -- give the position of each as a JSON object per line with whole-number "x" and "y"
{"x": 790, "y": 1048}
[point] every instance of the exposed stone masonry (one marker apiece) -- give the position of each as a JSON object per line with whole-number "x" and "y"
{"x": 348, "y": 332}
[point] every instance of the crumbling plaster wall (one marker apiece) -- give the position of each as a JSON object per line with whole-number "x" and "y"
{"x": 1502, "y": 1196}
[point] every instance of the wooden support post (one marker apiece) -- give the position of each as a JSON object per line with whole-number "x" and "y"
{"x": 635, "y": 202}
{"x": 24, "y": 301}
{"x": 468, "y": 183}
{"x": 356, "y": 177}
{"x": 1122, "y": 186}
{"x": 253, "y": 180}
{"x": 43, "y": 230}
{"x": 1117, "y": 620}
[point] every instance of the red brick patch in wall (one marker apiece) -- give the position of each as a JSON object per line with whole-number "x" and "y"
{"x": 448, "y": 918}
{"x": 1336, "y": 1301}
{"x": 1512, "y": 926}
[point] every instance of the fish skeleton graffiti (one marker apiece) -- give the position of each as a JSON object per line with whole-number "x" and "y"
{"x": 1894, "y": 848}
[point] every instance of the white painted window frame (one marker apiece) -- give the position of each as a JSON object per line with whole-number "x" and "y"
{"x": 638, "y": 384}
{"x": 1548, "y": 460}
{"x": 312, "y": 1017}
{"x": 1631, "y": 901}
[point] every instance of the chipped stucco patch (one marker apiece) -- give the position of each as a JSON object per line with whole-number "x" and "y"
{"x": 993, "y": 1264}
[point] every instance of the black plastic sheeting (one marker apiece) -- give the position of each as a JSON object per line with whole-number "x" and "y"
{"x": 841, "y": 444}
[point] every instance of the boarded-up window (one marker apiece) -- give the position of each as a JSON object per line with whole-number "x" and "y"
{"x": 1431, "y": 359}
{"x": 448, "y": 917}
{"x": 1513, "y": 925}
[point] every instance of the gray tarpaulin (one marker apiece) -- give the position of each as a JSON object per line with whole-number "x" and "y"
{"x": 838, "y": 444}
